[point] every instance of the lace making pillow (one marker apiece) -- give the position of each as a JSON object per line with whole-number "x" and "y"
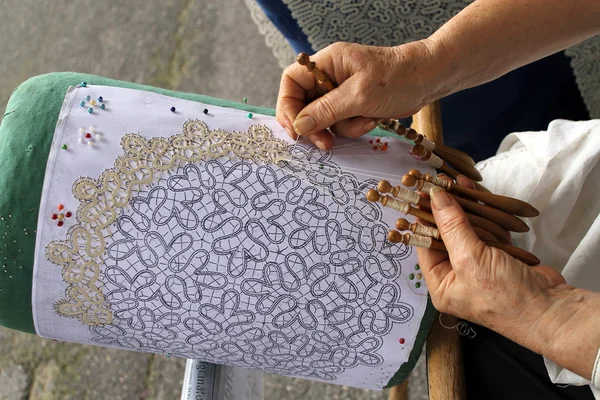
{"x": 179, "y": 224}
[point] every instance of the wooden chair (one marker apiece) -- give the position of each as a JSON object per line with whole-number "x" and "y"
{"x": 445, "y": 375}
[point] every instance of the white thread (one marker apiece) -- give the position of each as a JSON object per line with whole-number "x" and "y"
{"x": 407, "y": 195}
{"x": 461, "y": 327}
{"x": 428, "y": 144}
{"x": 396, "y": 204}
{"x": 426, "y": 187}
{"x": 435, "y": 161}
{"x": 596, "y": 372}
{"x": 420, "y": 241}
{"x": 429, "y": 231}
{"x": 440, "y": 182}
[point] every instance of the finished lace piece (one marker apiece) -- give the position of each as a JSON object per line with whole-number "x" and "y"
{"x": 585, "y": 61}
{"x": 273, "y": 38}
{"x": 103, "y": 199}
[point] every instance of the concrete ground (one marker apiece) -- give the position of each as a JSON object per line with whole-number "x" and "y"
{"x": 202, "y": 46}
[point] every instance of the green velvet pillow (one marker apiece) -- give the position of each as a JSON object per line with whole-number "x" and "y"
{"x": 26, "y": 134}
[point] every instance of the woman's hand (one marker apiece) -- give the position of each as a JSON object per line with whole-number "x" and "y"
{"x": 483, "y": 284}
{"x": 374, "y": 83}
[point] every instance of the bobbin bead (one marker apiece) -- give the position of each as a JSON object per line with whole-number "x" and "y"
{"x": 205, "y": 111}
{"x": 83, "y": 84}
{"x": 402, "y": 224}
{"x": 384, "y": 186}
{"x": 172, "y": 109}
{"x": 100, "y": 99}
{"x": 88, "y": 97}
{"x": 416, "y": 173}
{"x": 394, "y": 237}
{"x": 82, "y": 103}
{"x": 372, "y": 195}
{"x": 409, "y": 180}
{"x": 93, "y": 102}
{"x": 90, "y": 110}
{"x": 102, "y": 106}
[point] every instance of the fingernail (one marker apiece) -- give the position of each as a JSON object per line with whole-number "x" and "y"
{"x": 369, "y": 125}
{"x": 439, "y": 198}
{"x": 305, "y": 125}
{"x": 320, "y": 144}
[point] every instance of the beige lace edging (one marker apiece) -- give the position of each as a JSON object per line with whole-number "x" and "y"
{"x": 102, "y": 200}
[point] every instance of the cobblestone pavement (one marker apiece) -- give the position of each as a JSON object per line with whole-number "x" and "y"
{"x": 199, "y": 46}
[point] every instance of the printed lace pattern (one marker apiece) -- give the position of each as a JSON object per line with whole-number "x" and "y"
{"x": 103, "y": 199}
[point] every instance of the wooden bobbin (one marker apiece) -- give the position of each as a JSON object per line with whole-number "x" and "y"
{"x": 322, "y": 78}
{"x": 415, "y": 240}
{"x": 429, "y": 243}
{"x": 387, "y": 201}
{"x": 428, "y": 156}
{"x": 401, "y": 193}
{"x": 393, "y": 126}
{"x": 402, "y": 224}
{"x": 434, "y": 233}
{"x": 487, "y": 230}
{"x": 508, "y": 204}
{"x": 475, "y": 220}
{"x": 502, "y": 218}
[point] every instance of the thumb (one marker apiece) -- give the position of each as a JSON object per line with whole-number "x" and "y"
{"x": 339, "y": 104}
{"x": 459, "y": 237}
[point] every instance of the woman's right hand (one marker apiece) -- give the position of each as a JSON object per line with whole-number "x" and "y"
{"x": 374, "y": 83}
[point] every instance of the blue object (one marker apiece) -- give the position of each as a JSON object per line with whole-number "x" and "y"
{"x": 100, "y": 99}
{"x": 83, "y": 84}
{"x": 281, "y": 17}
{"x": 172, "y": 109}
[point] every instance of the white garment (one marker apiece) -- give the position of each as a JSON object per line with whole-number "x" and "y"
{"x": 558, "y": 173}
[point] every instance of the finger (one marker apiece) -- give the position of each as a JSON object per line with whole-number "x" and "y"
{"x": 459, "y": 237}
{"x": 296, "y": 87}
{"x": 339, "y": 104}
{"x": 465, "y": 182}
{"x": 322, "y": 139}
{"x": 354, "y": 127}
{"x": 435, "y": 266}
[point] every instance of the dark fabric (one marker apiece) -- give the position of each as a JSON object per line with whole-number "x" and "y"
{"x": 498, "y": 369}
{"x": 527, "y": 99}
{"x": 281, "y": 17}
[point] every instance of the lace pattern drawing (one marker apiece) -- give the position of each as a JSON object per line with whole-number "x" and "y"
{"x": 222, "y": 255}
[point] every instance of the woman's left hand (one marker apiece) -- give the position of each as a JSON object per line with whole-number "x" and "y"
{"x": 483, "y": 284}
